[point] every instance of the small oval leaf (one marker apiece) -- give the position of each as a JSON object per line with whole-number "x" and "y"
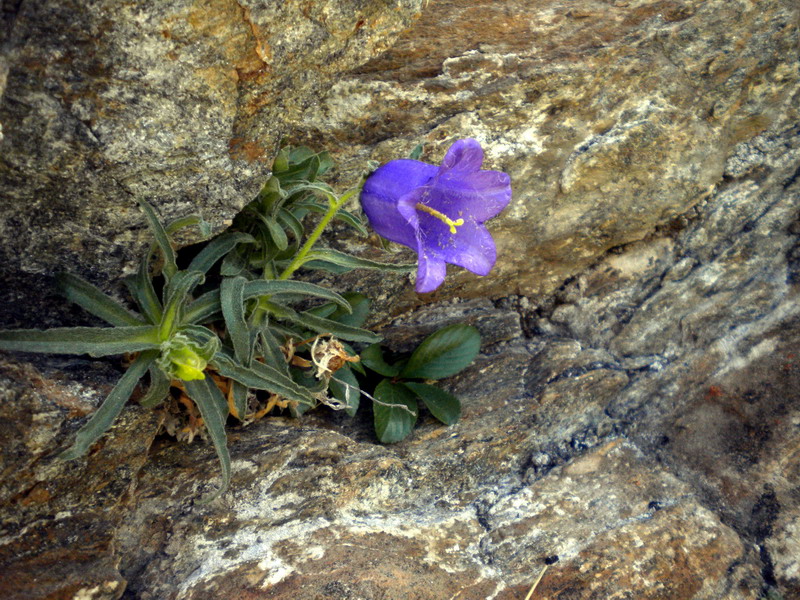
{"x": 395, "y": 411}
{"x": 443, "y": 405}
{"x": 444, "y": 353}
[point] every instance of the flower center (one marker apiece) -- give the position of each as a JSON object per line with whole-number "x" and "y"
{"x": 442, "y": 217}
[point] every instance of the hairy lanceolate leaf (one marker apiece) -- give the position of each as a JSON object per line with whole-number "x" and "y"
{"x": 187, "y": 221}
{"x": 326, "y": 326}
{"x": 162, "y": 239}
{"x": 276, "y": 232}
{"x": 395, "y": 411}
{"x": 143, "y": 292}
{"x": 95, "y": 341}
{"x": 175, "y": 297}
{"x": 233, "y": 264}
{"x": 372, "y": 358}
{"x": 348, "y": 261}
{"x": 110, "y": 408}
{"x": 271, "y": 349}
{"x": 360, "y": 310}
{"x": 262, "y": 377}
{"x": 240, "y": 393}
{"x": 289, "y": 221}
{"x": 303, "y": 171}
{"x": 87, "y": 296}
{"x": 208, "y": 305}
{"x": 214, "y": 410}
{"x": 216, "y": 249}
{"x": 231, "y": 294}
{"x": 158, "y": 390}
{"x": 444, "y": 353}
{"x": 353, "y": 221}
{"x": 442, "y": 404}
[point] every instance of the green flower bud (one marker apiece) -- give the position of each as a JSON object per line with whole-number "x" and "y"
{"x": 182, "y": 358}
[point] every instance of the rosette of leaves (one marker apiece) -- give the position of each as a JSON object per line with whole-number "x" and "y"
{"x": 232, "y": 330}
{"x": 407, "y": 381}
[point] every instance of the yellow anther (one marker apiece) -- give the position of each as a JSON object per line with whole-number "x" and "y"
{"x": 442, "y": 217}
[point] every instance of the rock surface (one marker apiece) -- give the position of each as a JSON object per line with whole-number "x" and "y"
{"x": 612, "y": 118}
{"x": 633, "y": 419}
{"x": 180, "y": 103}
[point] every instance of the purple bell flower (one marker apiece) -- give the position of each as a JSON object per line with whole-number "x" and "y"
{"x": 439, "y": 211}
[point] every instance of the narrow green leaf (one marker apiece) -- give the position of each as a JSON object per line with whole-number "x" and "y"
{"x": 317, "y": 187}
{"x": 323, "y": 310}
{"x": 344, "y": 387}
{"x": 276, "y": 232}
{"x": 395, "y": 411}
{"x": 444, "y": 353}
{"x": 354, "y": 262}
{"x": 214, "y": 410}
{"x": 162, "y": 239}
{"x": 353, "y": 221}
{"x": 208, "y": 305}
{"x": 95, "y": 341}
{"x": 217, "y": 248}
{"x": 290, "y": 222}
{"x": 187, "y": 221}
{"x": 300, "y": 154}
{"x": 144, "y": 292}
{"x": 372, "y": 358}
{"x": 304, "y": 171}
{"x": 109, "y": 410}
{"x": 262, "y": 377}
{"x": 443, "y": 405}
{"x": 281, "y": 162}
{"x": 203, "y": 336}
{"x": 270, "y": 196}
{"x": 325, "y": 163}
{"x": 158, "y": 390}
{"x": 323, "y": 265}
{"x": 240, "y": 393}
{"x": 176, "y": 295}
{"x": 271, "y": 350}
{"x": 233, "y": 264}
{"x": 87, "y": 296}
{"x": 320, "y": 325}
{"x": 231, "y": 294}
{"x": 416, "y": 152}
{"x": 355, "y": 318}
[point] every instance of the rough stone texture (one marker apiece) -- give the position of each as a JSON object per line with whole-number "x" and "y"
{"x": 58, "y": 521}
{"x": 181, "y": 103}
{"x": 612, "y": 118}
{"x": 633, "y": 420}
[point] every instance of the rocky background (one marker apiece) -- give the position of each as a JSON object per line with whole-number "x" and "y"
{"x": 633, "y": 420}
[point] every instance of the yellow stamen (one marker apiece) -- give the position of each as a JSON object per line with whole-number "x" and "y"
{"x": 442, "y": 217}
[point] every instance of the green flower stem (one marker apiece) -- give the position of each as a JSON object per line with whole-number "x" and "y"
{"x": 300, "y": 258}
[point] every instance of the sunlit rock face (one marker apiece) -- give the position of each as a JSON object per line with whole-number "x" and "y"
{"x": 632, "y": 419}
{"x": 612, "y": 118}
{"x": 181, "y": 103}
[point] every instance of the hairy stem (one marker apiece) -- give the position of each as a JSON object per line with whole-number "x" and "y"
{"x": 300, "y": 258}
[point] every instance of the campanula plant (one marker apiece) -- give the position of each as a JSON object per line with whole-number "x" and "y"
{"x": 439, "y": 212}
{"x": 220, "y": 330}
